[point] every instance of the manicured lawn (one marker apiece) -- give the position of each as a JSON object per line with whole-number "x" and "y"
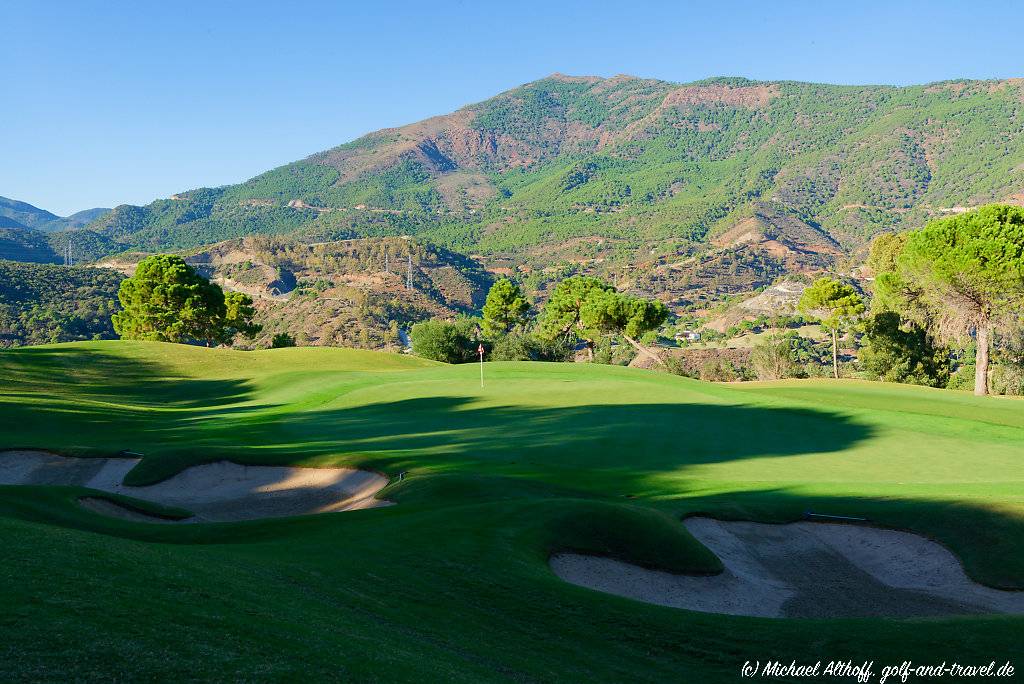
{"x": 452, "y": 583}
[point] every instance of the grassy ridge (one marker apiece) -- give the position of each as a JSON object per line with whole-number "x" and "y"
{"x": 543, "y": 458}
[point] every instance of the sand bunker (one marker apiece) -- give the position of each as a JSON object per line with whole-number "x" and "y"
{"x": 213, "y": 492}
{"x": 803, "y": 570}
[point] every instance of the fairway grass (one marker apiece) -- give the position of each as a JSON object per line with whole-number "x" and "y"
{"x": 453, "y": 582}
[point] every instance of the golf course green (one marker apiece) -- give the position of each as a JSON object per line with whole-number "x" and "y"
{"x": 452, "y": 583}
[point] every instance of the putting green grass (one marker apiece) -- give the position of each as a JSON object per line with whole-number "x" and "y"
{"x": 452, "y": 584}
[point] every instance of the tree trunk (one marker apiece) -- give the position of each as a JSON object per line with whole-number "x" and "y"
{"x": 835, "y": 355}
{"x": 981, "y": 361}
{"x": 645, "y": 351}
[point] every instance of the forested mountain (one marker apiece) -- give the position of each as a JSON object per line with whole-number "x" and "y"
{"x": 19, "y": 243}
{"x": 45, "y": 303}
{"x": 14, "y": 214}
{"x": 24, "y": 214}
{"x": 79, "y": 219}
{"x": 34, "y": 235}
{"x": 683, "y": 192}
{"x": 626, "y": 166}
{"x": 346, "y": 293}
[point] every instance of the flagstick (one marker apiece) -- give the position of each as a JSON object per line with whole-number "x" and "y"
{"x": 480, "y": 349}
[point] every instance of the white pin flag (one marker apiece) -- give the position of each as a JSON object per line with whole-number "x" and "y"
{"x": 480, "y": 351}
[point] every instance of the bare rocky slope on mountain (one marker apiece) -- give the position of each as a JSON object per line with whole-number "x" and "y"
{"x": 351, "y": 293}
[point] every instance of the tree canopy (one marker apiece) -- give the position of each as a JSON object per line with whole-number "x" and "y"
{"x": 835, "y": 304}
{"x": 563, "y": 313}
{"x": 238, "y": 315}
{"x": 899, "y": 351}
{"x": 168, "y": 301}
{"x": 506, "y": 307}
{"x": 588, "y": 308}
{"x": 41, "y": 303}
{"x": 963, "y": 274}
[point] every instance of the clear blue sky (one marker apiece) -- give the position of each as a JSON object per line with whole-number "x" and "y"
{"x": 106, "y": 103}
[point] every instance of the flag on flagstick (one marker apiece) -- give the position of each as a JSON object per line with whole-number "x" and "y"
{"x": 479, "y": 350}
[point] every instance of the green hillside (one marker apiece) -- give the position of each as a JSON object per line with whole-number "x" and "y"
{"x": 26, "y": 215}
{"x": 34, "y": 235}
{"x": 35, "y": 246}
{"x": 18, "y": 243}
{"x": 41, "y": 303}
{"x": 644, "y": 166}
{"x": 544, "y": 458}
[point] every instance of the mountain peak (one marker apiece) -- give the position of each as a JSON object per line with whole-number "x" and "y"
{"x": 568, "y": 78}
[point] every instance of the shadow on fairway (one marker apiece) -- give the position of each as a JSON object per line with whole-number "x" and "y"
{"x": 625, "y": 442}
{"x": 599, "y": 448}
{"x": 101, "y": 376}
{"x": 120, "y": 403}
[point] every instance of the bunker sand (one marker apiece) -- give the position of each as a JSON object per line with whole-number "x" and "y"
{"x": 803, "y": 570}
{"x": 213, "y": 492}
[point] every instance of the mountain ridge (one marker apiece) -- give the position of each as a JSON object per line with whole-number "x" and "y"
{"x": 29, "y": 216}
{"x": 632, "y": 171}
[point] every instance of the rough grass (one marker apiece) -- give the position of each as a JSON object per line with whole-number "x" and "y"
{"x": 452, "y": 583}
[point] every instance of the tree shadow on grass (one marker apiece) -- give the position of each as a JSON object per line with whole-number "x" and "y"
{"x": 597, "y": 446}
{"x": 83, "y": 401}
{"x": 128, "y": 402}
{"x": 100, "y": 376}
{"x": 596, "y": 449}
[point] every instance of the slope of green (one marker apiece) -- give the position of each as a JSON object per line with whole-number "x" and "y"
{"x": 452, "y": 583}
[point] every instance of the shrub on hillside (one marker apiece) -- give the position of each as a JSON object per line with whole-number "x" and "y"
{"x": 1008, "y": 375}
{"x": 445, "y": 341}
{"x": 721, "y": 370}
{"x": 676, "y": 366}
{"x": 1003, "y": 379}
{"x": 773, "y": 359}
{"x": 525, "y": 347}
{"x": 282, "y": 340}
{"x": 609, "y": 353}
{"x": 1007, "y": 379}
{"x": 963, "y": 378}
